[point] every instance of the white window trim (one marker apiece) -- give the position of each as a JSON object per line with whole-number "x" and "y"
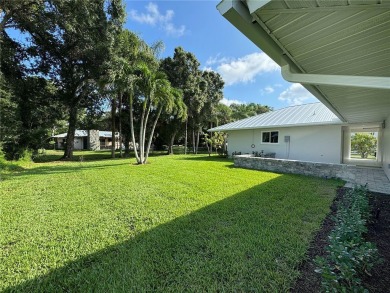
{"x": 273, "y": 143}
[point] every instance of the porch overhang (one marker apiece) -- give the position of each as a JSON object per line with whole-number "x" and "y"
{"x": 338, "y": 50}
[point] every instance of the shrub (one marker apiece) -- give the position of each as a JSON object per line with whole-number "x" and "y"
{"x": 26, "y": 156}
{"x": 349, "y": 255}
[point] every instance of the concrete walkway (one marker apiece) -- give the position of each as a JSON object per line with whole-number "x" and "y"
{"x": 375, "y": 179}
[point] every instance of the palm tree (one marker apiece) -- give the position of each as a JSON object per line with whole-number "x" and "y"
{"x": 157, "y": 96}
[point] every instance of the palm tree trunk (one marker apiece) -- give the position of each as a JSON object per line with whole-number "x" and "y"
{"x": 146, "y": 122}
{"x": 193, "y": 141}
{"x": 197, "y": 141}
{"x": 113, "y": 138}
{"x": 186, "y": 138}
{"x": 141, "y": 132}
{"x": 151, "y": 134}
{"x": 132, "y": 128}
{"x": 120, "y": 124}
{"x": 171, "y": 142}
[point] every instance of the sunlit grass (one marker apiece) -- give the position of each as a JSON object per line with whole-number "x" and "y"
{"x": 180, "y": 223}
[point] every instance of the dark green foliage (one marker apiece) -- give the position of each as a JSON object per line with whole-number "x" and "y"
{"x": 242, "y": 111}
{"x": 349, "y": 255}
{"x": 70, "y": 42}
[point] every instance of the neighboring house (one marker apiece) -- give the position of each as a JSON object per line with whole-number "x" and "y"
{"x": 88, "y": 140}
{"x": 338, "y": 50}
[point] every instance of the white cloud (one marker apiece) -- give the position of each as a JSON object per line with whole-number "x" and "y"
{"x": 154, "y": 17}
{"x": 207, "y": 68}
{"x": 216, "y": 60}
{"x": 269, "y": 89}
{"x": 244, "y": 69}
{"x": 228, "y": 102}
{"x": 296, "y": 94}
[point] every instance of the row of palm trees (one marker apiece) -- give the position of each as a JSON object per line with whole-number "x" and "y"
{"x": 134, "y": 73}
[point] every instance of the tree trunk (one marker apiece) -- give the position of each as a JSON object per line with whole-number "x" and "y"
{"x": 197, "y": 142}
{"x": 141, "y": 137}
{"x": 171, "y": 142}
{"x": 113, "y": 138}
{"x": 132, "y": 128}
{"x": 208, "y": 147}
{"x": 151, "y": 135}
{"x": 193, "y": 141}
{"x": 68, "y": 154}
{"x": 186, "y": 138}
{"x": 120, "y": 124}
{"x": 127, "y": 149}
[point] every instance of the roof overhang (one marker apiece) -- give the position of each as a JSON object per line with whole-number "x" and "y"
{"x": 339, "y": 50}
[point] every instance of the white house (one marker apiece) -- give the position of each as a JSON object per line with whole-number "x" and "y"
{"x": 338, "y": 50}
{"x": 307, "y": 132}
{"x": 88, "y": 139}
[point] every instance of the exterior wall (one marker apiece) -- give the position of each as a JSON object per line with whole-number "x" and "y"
{"x": 386, "y": 147}
{"x": 78, "y": 143}
{"x": 324, "y": 170}
{"x": 307, "y": 143}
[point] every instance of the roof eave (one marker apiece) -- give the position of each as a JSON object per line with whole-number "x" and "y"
{"x": 238, "y": 14}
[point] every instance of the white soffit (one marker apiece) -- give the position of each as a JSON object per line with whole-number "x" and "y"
{"x": 323, "y": 39}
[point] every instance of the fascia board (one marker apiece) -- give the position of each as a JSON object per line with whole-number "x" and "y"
{"x": 254, "y": 5}
{"x": 237, "y": 13}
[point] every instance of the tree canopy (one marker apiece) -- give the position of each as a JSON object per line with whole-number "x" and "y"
{"x": 364, "y": 144}
{"x": 77, "y": 66}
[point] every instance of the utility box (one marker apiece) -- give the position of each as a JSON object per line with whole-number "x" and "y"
{"x": 287, "y": 138}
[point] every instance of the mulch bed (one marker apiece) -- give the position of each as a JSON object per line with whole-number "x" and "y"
{"x": 378, "y": 233}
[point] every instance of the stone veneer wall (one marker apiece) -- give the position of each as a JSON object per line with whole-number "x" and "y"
{"x": 324, "y": 170}
{"x": 93, "y": 140}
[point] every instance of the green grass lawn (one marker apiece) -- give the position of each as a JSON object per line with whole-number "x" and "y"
{"x": 180, "y": 223}
{"x": 358, "y": 156}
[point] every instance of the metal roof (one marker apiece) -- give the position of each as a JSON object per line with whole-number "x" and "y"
{"x": 302, "y": 115}
{"x": 78, "y": 133}
{"x": 338, "y": 49}
{"x": 84, "y": 133}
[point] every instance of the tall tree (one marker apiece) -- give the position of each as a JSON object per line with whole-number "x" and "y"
{"x": 119, "y": 77}
{"x": 242, "y": 111}
{"x": 157, "y": 96}
{"x": 28, "y": 104}
{"x": 183, "y": 72}
{"x": 364, "y": 144}
{"x": 71, "y": 42}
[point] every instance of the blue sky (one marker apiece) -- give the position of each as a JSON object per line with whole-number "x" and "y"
{"x": 198, "y": 27}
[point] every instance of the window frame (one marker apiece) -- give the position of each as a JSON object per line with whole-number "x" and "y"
{"x": 270, "y": 131}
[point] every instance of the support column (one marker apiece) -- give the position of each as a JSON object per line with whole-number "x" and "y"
{"x": 346, "y": 144}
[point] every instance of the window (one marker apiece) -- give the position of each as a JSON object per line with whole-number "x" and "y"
{"x": 270, "y": 137}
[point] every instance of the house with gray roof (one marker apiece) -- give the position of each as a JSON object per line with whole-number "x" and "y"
{"x": 88, "y": 140}
{"x": 306, "y": 132}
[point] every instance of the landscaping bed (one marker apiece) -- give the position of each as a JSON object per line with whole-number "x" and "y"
{"x": 378, "y": 279}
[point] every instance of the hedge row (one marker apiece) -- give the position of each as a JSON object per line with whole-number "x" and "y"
{"x": 349, "y": 256}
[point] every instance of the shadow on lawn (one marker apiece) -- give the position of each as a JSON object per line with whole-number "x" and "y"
{"x": 91, "y": 156}
{"x": 207, "y": 158}
{"x": 68, "y": 168}
{"x": 247, "y": 242}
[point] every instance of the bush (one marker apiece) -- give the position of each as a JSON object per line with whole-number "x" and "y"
{"x": 2, "y": 156}
{"x": 349, "y": 255}
{"x": 26, "y": 156}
